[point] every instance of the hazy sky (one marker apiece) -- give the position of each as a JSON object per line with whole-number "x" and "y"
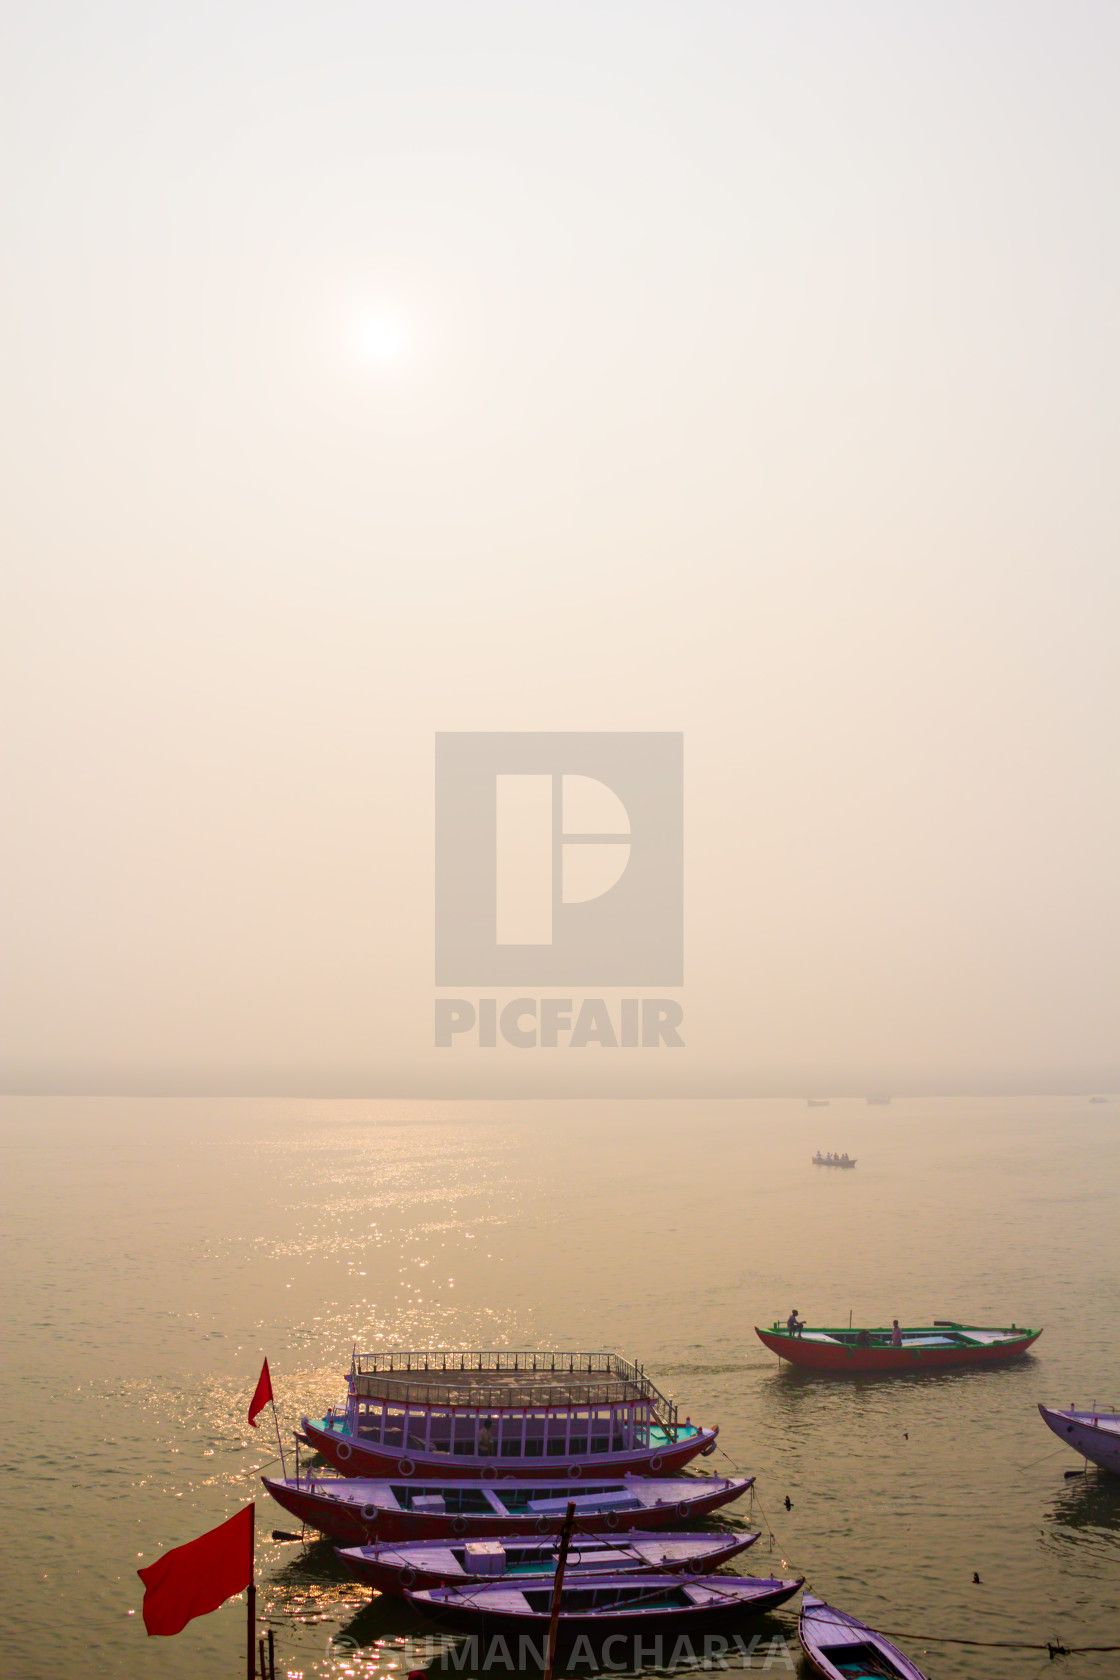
{"x": 748, "y": 370}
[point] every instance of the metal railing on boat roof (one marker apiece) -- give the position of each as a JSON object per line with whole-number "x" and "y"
{"x": 508, "y": 1377}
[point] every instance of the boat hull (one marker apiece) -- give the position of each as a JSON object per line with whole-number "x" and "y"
{"x": 1095, "y": 1435}
{"x": 351, "y": 1456}
{"x": 355, "y": 1513}
{"x": 829, "y": 1638}
{"x": 400, "y": 1568}
{"x": 845, "y": 1359}
{"x": 711, "y": 1605}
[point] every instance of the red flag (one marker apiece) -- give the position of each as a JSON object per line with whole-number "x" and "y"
{"x": 262, "y": 1394}
{"x": 194, "y": 1579}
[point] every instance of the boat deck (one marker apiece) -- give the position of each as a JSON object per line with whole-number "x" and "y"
{"x": 501, "y": 1379}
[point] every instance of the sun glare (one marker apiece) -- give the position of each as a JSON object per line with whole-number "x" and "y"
{"x": 384, "y": 340}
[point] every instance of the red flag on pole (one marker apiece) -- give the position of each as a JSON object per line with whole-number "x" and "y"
{"x": 192, "y": 1580}
{"x": 262, "y": 1394}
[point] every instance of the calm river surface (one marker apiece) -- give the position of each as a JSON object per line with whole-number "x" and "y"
{"x": 153, "y": 1251}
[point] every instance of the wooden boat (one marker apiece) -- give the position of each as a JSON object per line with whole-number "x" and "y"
{"x": 495, "y": 1414}
{"x": 358, "y": 1512}
{"x": 929, "y": 1348}
{"x": 843, "y": 1649}
{"x": 1093, "y": 1433}
{"x": 820, "y": 1160}
{"x": 611, "y": 1604}
{"x": 441, "y": 1563}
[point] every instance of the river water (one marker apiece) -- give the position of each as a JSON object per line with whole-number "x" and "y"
{"x": 155, "y": 1250}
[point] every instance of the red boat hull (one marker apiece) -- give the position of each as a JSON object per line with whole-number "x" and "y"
{"x": 366, "y": 1459}
{"x": 345, "y": 1523}
{"x": 844, "y": 1360}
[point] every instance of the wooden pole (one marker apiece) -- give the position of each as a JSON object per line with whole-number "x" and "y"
{"x": 279, "y": 1442}
{"x": 251, "y": 1604}
{"x": 271, "y": 1656}
{"x": 251, "y": 1664}
{"x": 558, "y": 1586}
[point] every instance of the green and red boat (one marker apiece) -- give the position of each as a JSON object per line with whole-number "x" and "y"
{"x": 891, "y": 1352}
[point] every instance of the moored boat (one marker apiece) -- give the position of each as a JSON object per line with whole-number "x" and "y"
{"x": 873, "y": 1350}
{"x": 1094, "y": 1433}
{"x": 609, "y": 1605}
{"x": 442, "y": 1563}
{"x": 488, "y": 1414}
{"x": 357, "y": 1512}
{"x": 841, "y": 1648}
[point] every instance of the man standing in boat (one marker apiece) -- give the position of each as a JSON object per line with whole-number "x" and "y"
{"x": 486, "y": 1438}
{"x": 896, "y": 1334}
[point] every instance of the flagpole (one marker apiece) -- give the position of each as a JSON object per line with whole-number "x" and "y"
{"x": 279, "y": 1442}
{"x": 251, "y": 1652}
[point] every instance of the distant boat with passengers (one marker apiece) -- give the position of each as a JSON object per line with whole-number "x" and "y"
{"x": 488, "y": 1414}
{"x": 895, "y": 1351}
{"x": 830, "y": 1160}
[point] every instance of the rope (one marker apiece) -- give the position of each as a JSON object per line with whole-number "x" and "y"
{"x": 1052, "y": 1647}
{"x": 1043, "y": 1459}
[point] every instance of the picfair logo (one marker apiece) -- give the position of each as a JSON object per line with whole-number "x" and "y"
{"x": 559, "y": 859}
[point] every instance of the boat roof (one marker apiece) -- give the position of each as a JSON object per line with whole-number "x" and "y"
{"x": 500, "y": 1378}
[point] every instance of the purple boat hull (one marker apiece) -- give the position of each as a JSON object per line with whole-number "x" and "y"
{"x": 830, "y": 1638}
{"x": 610, "y": 1605}
{"x": 1093, "y": 1434}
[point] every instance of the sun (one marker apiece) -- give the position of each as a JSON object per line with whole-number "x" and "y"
{"x": 384, "y": 339}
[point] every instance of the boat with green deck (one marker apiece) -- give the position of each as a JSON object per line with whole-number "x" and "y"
{"x": 893, "y": 1351}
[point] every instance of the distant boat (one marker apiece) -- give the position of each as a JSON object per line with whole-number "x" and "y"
{"x": 361, "y": 1513}
{"x": 878, "y": 1102}
{"x": 845, "y": 1351}
{"x": 820, "y": 1160}
{"x": 607, "y": 1606}
{"x": 843, "y": 1649}
{"x": 817, "y": 1102}
{"x": 1092, "y": 1433}
{"x": 404, "y": 1567}
{"x": 1098, "y": 1099}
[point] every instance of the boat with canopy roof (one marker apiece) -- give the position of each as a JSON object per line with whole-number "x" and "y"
{"x": 485, "y": 1414}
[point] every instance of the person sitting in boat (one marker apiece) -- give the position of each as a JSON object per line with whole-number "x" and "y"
{"x": 794, "y": 1324}
{"x": 896, "y": 1334}
{"x": 486, "y": 1438}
